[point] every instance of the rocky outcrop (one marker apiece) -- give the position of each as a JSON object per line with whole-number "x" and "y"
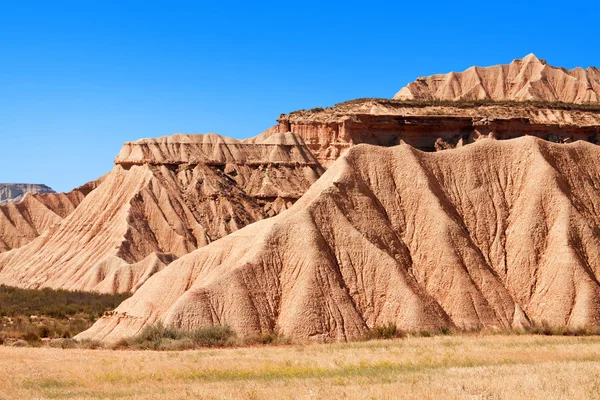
{"x": 528, "y": 79}
{"x": 497, "y": 234}
{"x": 24, "y": 221}
{"x": 330, "y": 132}
{"x": 15, "y": 192}
{"x": 164, "y": 198}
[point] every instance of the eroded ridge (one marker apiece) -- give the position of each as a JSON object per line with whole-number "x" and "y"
{"x": 527, "y": 79}
{"x": 496, "y": 234}
{"x": 162, "y": 200}
{"x": 34, "y": 213}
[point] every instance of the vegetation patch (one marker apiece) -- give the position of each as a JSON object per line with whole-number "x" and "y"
{"x": 160, "y": 337}
{"x": 32, "y": 315}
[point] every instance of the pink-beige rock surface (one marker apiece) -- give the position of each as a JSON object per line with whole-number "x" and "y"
{"x": 164, "y": 198}
{"x": 331, "y": 131}
{"x": 527, "y": 79}
{"x": 497, "y": 234}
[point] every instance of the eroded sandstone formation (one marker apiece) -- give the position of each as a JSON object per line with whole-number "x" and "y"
{"x": 528, "y": 79}
{"x": 164, "y": 198}
{"x": 497, "y": 234}
{"x": 330, "y": 132}
{"x": 23, "y": 221}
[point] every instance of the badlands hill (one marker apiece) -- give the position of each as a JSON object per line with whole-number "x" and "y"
{"x": 23, "y": 221}
{"x": 15, "y": 192}
{"x": 164, "y": 198}
{"x": 494, "y": 234}
{"x": 528, "y": 79}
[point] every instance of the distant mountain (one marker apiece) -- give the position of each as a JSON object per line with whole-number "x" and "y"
{"x": 528, "y": 79}
{"x": 14, "y": 192}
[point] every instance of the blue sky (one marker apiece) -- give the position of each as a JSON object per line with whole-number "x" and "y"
{"x": 79, "y": 78}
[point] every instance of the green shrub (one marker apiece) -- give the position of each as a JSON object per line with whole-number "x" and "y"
{"x": 159, "y": 337}
{"x": 213, "y": 336}
{"x": 387, "y": 331}
{"x": 30, "y": 337}
{"x": 44, "y": 331}
{"x": 270, "y": 338}
{"x": 546, "y": 329}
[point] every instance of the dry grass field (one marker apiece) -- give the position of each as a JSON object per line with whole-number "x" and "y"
{"x": 448, "y": 367}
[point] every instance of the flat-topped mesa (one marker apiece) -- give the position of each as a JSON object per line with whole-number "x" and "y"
{"x": 431, "y": 126}
{"x": 14, "y": 192}
{"x": 211, "y": 149}
{"x": 527, "y": 79}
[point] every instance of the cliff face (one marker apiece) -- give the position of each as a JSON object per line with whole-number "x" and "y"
{"x": 431, "y": 126}
{"x": 14, "y": 192}
{"x": 528, "y": 79}
{"x": 164, "y": 198}
{"x": 497, "y": 234}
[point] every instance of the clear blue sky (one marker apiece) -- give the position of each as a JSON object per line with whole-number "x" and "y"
{"x": 79, "y": 78}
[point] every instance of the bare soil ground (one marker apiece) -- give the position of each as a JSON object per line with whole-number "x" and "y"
{"x": 450, "y": 367}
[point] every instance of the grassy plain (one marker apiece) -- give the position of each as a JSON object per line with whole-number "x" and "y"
{"x": 448, "y": 367}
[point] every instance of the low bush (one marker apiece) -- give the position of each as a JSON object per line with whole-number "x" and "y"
{"x": 544, "y": 328}
{"x": 159, "y": 337}
{"x": 30, "y": 337}
{"x": 387, "y": 331}
{"x": 272, "y": 338}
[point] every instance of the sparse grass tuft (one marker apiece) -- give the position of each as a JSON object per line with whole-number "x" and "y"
{"x": 470, "y": 366}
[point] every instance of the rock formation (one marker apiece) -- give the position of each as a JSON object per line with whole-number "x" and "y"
{"x": 330, "y": 132}
{"x": 164, "y": 198}
{"x": 15, "y": 192}
{"x": 22, "y": 222}
{"x": 528, "y": 79}
{"x": 492, "y": 235}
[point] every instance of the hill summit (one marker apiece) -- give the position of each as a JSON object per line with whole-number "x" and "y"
{"x": 527, "y": 79}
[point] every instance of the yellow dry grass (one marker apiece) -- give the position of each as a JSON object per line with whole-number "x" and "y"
{"x": 445, "y": 367}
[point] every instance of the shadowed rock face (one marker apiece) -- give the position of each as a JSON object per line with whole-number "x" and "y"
{"x": 15, "y": 192}
{"x": 495, "y": 234}
{"x": 164, "y": 198}
{"x": 330, "y": 132}
{"x": 23, "y": 221}
{"x": 528, "y": 79}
